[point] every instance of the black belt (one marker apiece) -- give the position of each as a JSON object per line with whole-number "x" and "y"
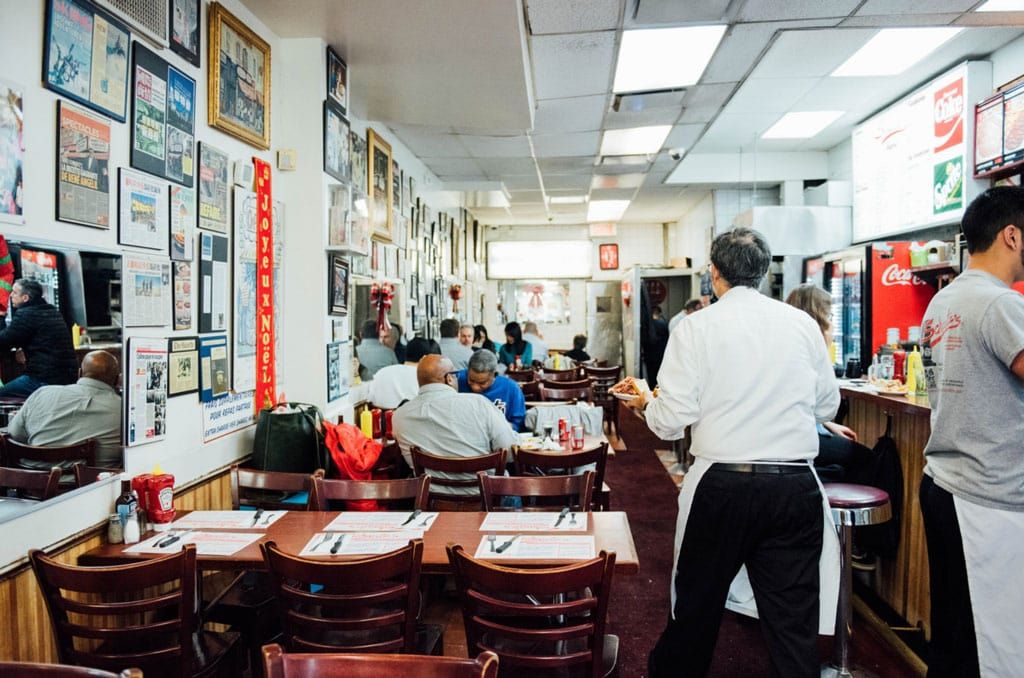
{"x": 773, "y": 469}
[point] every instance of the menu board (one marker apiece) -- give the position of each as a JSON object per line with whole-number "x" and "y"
{"x": 910, "y": 161}
{"x": 1013, "y": 125}
{"x": 988, "y": 134}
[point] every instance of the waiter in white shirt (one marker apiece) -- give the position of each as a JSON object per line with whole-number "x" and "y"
{"x": 752, "y": 377}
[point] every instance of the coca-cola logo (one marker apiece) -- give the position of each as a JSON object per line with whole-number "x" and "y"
{"x": 894, "y": 275}
{"x": 949, "y": 115}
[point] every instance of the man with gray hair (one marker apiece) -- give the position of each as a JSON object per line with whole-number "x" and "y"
{"x": 482, "y": 377}
{"x": 752, "y": 377}
{"x": 39, "y": 330}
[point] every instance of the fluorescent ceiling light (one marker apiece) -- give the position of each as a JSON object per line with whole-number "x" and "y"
{"x": 893, "y": 50}
{"x": 567, "y": 199}
{"x": 606, "y": 210}
{"x": 1002, "y": 6}
{"x": 539, "y": 259}
{"x": 634, "y": 140}
{"x": 663, "y": 58}
{"x": 632, "y": 180}
{"x": 801, "y": 124}
{"x": 609, "y": 160}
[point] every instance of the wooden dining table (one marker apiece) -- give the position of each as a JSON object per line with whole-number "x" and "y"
{"x": 292, "y": 531}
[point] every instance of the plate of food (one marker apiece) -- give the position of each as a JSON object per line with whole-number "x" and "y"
{"x": 630, "y": 389}
{"x": 889, "y": 387}
{"x": 530, "y": 442}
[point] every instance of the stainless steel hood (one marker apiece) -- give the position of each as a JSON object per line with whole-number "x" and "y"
{"x": 800, "y": 230}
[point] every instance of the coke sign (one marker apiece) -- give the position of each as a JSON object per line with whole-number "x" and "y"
{"x": 894, "y": 275}
{"x": 949, "y": 115}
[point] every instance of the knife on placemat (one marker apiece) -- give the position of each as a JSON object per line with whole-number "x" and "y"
{"x": 337, "y": 544}
{"x": 504, "y": 547}
{"x": 412, "y": 516}
{"x": 164, "y": 543}
{"x": 561, "y": 516}
{"x": 256, "y": 518}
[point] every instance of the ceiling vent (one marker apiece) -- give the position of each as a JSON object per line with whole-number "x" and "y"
{"x": 634, "y": 102}
{"x": 149, "y": 18}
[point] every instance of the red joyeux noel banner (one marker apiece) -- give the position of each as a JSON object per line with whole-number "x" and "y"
{"x": 949, "y": 115}
{"x": 265, "y": 358}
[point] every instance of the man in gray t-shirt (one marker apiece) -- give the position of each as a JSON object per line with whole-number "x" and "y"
{"x": 972, "y": 493}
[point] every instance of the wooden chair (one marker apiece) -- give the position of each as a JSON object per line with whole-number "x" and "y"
{"x": 539, "y": 493}
{"x": 579, "y": 383}
{"x": 268, "y": 490}
{"x": 34, "y": 458}
{"x": 150, "y": 627}
{"x": 531, "y": 390}
{"x": 572, "y": 374}
{"x": 390, "y": 463}
{"x": 521, "y": 375}
{"x": 39, "y": 485}
{"x": 530, "y": 462}
{"x": 585, "y": 394}
{"x": 33, "y": 670}
{"x": 277, "y": 664}
{"x": 87, "y": 475}
{"x": 461, "y": 489}
{"x": 408, "y": 493}
{"x": 550, "y": 619}
{"x": 604, "y": 378}
{"x": 365, "y": 605}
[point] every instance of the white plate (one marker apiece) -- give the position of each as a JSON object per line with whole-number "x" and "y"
{"x": 624, "y": 396}
{"x": 881, "y": 391}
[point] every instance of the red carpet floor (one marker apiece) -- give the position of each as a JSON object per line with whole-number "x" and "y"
{"x": 639, "y": 606}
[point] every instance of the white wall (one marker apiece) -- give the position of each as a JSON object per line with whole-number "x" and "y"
{"x": 1007, "y": 63}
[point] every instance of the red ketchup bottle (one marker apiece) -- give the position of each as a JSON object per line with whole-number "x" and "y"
{"x": 899, "y": 360}
{"x": 377, "y": 420}
{"x": 160, "y": 499}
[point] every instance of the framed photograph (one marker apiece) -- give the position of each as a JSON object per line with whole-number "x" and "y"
{"x": 142, "y": 210}
{"x": 339, "y": 206}
{"x": 379, "y": 176}
{"x": 214, "y": 214}
{"x": 183, "y": 223}
{"x": 83, "y": 162}
{"x": 608, "y": 256}
{"x": 341, "y": 329}
{"x": 146, "y": 390}
{"x": 85, "y": 56}
{"x": 334, "y": 368}
{"x": 182, "y": 295}
{"x": 214, "y": 283}
{"x": 185, "y": 29}
{"x": 359, "y": 224}
{"x": 396, "y": 188}
{"x": 145, "y": 291}
{"x": 12, "y": 154}
{"x": 337, "y": 159}
{"x": 359, "y": 160}
{"x": 182, "y": 366}
{"x": 238, "y": 81}
{"x": 163, "y": 118}
{"x": 214, "y": 368}
{"x": 337, "y": 300}
{"x": 337, "y": 80}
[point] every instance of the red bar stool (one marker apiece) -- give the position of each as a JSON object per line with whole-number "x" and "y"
{"x": 852, "y": 506}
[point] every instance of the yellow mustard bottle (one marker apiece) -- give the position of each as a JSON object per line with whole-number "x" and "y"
{"x": 914, "y": 371}
{"x": 366, "y": 423}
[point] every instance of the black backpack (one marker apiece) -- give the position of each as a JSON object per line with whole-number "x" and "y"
{"x": 882, "y": 470}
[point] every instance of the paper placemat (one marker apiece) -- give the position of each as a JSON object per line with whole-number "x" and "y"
{"x": 358, "y": 543}
{"x": 227, "y": 520}
{"x": 381, "y": 521}
{"x": 538, "y": 547}
{"x": 207, "y": 543}
{"x": 533, "y": 521}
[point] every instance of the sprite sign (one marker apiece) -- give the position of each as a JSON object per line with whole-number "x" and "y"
{"x": 948, "y": 185}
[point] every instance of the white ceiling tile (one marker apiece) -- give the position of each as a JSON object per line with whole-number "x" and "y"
{"x": 579, "y": 182}
{"x": 651, "y": 116}
{"x": 429, "y": 143}
{"x": 496, "y": 146}
{"x": 901, "y": 20}
{"x": 703, "y": 102}
{"x": 536, "y": 196}
{"x": 498, "y": 167}
{"x": 568, "y": 165}
{"x": 777, "y": 95}
{"x": 737, "y": 130}
{"x": 991, "y": 19}
{"x": 578, "y": 114}
{"x": 781, "y": 10}
{"x": 572, "y": 65}
{"x": 447, "y": 167}
{"x": 612, "y": 193}
{"x": 684, "y": 136}
{"x": 915, "y": 6}
{"x": 521, "y": 182}
{"x": 743, "y": 44}
{"x": 676, "y": 12}
{"x": 788, "y": 55}
{"x": 572, "y": 16}
{"x": 571, "y": 143}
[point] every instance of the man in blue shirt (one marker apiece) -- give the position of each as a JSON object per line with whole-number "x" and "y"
{"x": 482, "y": 377}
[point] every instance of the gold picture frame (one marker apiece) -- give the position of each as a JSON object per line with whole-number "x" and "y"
{"x": 379, "y": 179}
{"x": 239, "y": 106}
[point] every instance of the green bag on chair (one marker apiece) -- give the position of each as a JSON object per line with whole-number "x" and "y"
{"x": 291, "y": 440}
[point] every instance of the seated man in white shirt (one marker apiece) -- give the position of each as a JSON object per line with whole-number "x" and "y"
{"x": 442, "y": 421}
{"x": 531, "y": 333}
{"x": 65, "y": 415}
{"x": 395, "y": 384}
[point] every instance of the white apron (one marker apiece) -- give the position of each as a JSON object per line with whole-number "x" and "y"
{"x": 828, "y": 564}
{"x": 993, "y": 552}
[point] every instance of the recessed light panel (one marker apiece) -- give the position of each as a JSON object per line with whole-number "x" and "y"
{"x": 893, "y": 50}
{"x": 606, "y": 210}
{"x": 801, "y": 124}
{"x": 634, "y": 140}
{"x": 663, "y": 58}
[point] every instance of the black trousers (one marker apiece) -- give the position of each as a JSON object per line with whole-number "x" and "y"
{"x": 771, "y": 523}
{"x": 953, "y": 650}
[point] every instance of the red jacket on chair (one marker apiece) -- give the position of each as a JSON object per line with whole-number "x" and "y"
{"x": 354, "y": 456}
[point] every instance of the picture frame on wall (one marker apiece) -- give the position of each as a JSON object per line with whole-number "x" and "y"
{"x": 396, "y": 188}
{"x": 12, "y": 154}
{"x": 182, "y": 223}
{"x": 184, "y": 30}
{"x": 337, "y": 80}
{"x": 339, "y": 220}
{"x": 379, "y": 176}
{"x": 238, "y": 80}
{"x": 142, "y": 210}
{"x": 181, "y": 297}
{"x": 337, "y": 299}
{"x": 182, "y": 366}
{"x": 83, "y": 167}
{"x": 213, "y": 182}
{"x": 334, "y": 367}
{"x": 337, "y": 159}
{"x": 146, "y": 391}
{"x": 608, "y": 256}
{"x": 357, "y": 144}
{"x": 163, "y": 118}
{"x": 214, "y": 367}
{"x": 359, "y": 224}
{"x": 72, "y": 67}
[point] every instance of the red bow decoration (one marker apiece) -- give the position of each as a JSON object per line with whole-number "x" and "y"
{"x": 535, "y": 300}
{"x": 455, "y": 292}
{"x": 381, "y": 294}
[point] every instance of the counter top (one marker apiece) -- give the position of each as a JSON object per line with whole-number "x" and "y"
{"x": 907, "y": 404}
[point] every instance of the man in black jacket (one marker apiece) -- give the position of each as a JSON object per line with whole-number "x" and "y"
{"x": 39, "y": 330}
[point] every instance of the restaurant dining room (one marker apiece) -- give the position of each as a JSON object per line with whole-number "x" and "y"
{"x": 450, "y": 338}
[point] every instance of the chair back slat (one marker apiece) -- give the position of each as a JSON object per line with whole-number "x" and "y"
{"x": 539, "y": 493}
{"x": 530, "y": 462}
{"x": 34, "y": 458}
{"x": 531, "y": 390}
{"x": 33, "y": 670}
{"x": 564, "y": 385}
{"x": 458, "y": 487}
{"x": 495, "y": 619}
{"x": 368, "y": 604}
{"x": 267, "y": 489}
{"x": 40, "y": 485}
{"x": 585, "y": 394}
{"x": 408, "y": 493}
{"x": 87, "y": 475}
{"x": 149, "y": 627}
{"x": 571, "y": 374}
{"x": 277, "y": 664}
{"x": 521, "y": 375}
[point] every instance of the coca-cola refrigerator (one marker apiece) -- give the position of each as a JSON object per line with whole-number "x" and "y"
{"x": 872, "y": 289}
